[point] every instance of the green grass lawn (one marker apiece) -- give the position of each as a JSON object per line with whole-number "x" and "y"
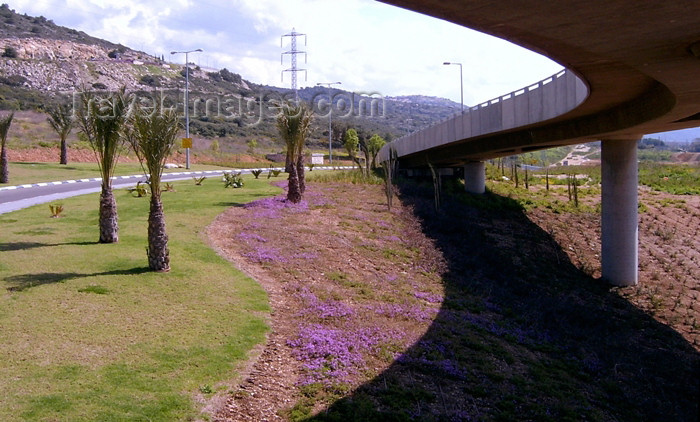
{"x": 89, "y": 334}
{"x": 21, "y": 173}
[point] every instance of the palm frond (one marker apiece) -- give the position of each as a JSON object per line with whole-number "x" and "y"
{"x": 152, "y": 135}
{"x": 293, "y": 124}
{"x": 101, "y": 119}
{"x": 61, "y": 119}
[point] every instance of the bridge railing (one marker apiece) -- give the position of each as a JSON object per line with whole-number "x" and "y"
{"x": 543, "y": 100}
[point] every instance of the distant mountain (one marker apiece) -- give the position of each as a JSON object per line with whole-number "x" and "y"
{"x": 42, "y": 62}
{"x": 683, "y": 135}
{"x": 427, "y": 101}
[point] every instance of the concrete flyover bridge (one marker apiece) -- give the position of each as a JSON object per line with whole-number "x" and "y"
{"x": 633, "y": 67}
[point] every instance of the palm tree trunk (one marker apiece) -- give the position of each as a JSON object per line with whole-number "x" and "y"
{"x": 293, "y": 188}
{"x": 64, "y": 152}
{"x": 300, "y": 174}
{"x": 158, "y": 253}
{"x": 4, "y": 171}
{"x": 109, "y": 226}
{"x": 288, "y": 161}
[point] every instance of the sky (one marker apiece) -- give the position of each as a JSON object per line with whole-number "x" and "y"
{"x": 366, "y": 45}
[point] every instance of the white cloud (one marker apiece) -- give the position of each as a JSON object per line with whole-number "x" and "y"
{"x": 367, "y": 45}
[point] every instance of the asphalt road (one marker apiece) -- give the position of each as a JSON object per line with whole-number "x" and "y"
{"x": 13, "y": 198}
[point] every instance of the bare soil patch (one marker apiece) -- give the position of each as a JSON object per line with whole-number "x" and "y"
{"x": 479, "y": 312}
{"x": 53, "y": 155}
{"x": 687, "y": 157}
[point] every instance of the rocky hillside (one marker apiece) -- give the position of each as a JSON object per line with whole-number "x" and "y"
{"x": 59, "y": 65}
{"x": 38, "y": 55}
{"x": 46, "y": 49}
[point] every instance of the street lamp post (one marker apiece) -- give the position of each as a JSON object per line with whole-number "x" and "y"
{"x": 461, "y": 82}
{"x": 187, "y": 99}
{"x": 330, "y": 119}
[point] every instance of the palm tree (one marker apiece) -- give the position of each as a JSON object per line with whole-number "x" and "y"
{"x": 294, "y": 124}
{"x": 101, "y": 120}
{"x": 152, "y": 136}
{"x": 61, "y": 120}
{"x": 5, "y": 123}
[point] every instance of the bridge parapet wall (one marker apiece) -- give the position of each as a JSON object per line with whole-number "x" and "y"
{"x": 544, "y": 100}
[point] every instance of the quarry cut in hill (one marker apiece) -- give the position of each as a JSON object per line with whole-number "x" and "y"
{"x": 58, "y": 65}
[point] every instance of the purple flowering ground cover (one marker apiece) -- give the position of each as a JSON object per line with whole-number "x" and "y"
{"x": 416, "y": 315}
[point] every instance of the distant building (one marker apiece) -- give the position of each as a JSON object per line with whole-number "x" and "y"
{"x": 316, "y": 158}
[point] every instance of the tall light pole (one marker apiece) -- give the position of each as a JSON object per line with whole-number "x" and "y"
{"x": 330, "y": 118}
{"x": 187, "y": 101}
{"x": 461, "y": 82}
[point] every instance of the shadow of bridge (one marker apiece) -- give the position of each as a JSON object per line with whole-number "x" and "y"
{"x": 524, "y": 335}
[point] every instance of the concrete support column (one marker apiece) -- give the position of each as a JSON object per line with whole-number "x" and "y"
{"x": 475, "y": 177}
{"x": 619, "y": 223}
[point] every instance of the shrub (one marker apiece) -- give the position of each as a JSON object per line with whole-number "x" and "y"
{"x": 256, "y": 172}
{"x": 234, "y": 180}
{"x": 215, "y": 148}
{"x": 216, "y": 76}
{"x": 10, "y": 52}
{"x": 150, "y": 80}
{"x": 140, "y": 190}
{"x": 56, "y": 210}
{"x": 13, "y": 80}
{"x": 198, "y": 180}
{"x": 229, "y": 76}
{"x": 252, "y": 144}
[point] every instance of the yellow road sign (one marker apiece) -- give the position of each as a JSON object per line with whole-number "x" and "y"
{"x": 187, "y": 142}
